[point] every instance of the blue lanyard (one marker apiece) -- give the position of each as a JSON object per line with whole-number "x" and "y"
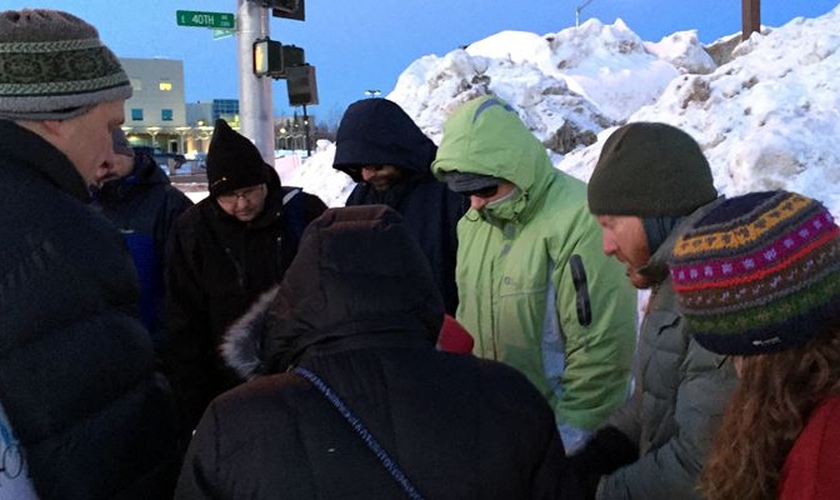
{"x": 363, "y": 433}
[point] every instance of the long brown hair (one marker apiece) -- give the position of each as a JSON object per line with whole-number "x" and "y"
{"x": 774, "y": 399}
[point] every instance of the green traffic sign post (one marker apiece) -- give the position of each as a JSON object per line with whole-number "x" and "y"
{"x": 215, "y": 20}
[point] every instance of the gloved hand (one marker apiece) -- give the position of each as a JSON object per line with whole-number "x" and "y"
{"x": 609, "y": 450}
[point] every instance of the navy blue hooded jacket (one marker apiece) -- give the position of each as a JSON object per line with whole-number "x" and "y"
{"x": 379, "y": 132}
{"x": 144, "y": 206}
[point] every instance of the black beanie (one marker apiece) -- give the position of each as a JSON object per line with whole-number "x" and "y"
{"x": 233, "y": 162}
{"x": 650, "y": 169}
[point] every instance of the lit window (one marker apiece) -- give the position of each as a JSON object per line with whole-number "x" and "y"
{"x": 166, "y": 115}
{"x": 137, "y": 114}
{"x": 165, "y": 86}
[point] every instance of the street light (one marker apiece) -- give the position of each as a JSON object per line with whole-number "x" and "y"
{"x": 578, "y": 10}
{"x": 372, "y": 93}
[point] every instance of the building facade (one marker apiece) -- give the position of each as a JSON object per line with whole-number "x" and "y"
{"x": 157, "y": 114}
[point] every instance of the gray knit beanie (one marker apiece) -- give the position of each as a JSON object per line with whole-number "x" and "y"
{"x": 53, "y": 66}
{"x": 648, "y": 170}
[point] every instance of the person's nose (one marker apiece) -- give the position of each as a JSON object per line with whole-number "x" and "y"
{"x": 107, "y": 168}
{"x": 608, "y": 246}
{"x": 368, "y": 174}
{"x": 242, "y": 199}
{"x": 477, "y": 202}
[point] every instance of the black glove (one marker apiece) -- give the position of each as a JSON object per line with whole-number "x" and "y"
{"x": 609, "y": 450}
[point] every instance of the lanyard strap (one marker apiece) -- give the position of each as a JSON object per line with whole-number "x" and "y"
{"x": 389, "y": 463}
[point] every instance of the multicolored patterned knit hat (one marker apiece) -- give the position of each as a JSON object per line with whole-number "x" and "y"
{"x": 759, "y": 273}
{"x": 54, "y": 67}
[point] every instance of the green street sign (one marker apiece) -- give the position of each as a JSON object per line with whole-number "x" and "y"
{"x": 219, "y": 34}
{"x": 217, "y": 20}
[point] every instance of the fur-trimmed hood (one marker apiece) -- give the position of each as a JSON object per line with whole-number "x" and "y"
{"x": 358, "y": 273}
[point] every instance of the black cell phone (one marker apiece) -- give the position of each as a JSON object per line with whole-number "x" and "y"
{"x": 584, "y": 308}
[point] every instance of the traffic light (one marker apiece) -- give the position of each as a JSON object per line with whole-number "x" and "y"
{"x": 293, "y": 56}
{"x": 289, "y": 9}
{"x": 268, "y": 58}
{"x": 273, "y": 59}
{"x": 301, "y": 85}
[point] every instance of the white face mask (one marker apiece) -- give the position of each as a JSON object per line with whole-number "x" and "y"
{"x": 495, "y": 203}
{"x": 504, "y": 207}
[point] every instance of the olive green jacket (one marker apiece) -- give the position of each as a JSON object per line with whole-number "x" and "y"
{"x": 517, "y": 293}
{"x": 681, "y": 392}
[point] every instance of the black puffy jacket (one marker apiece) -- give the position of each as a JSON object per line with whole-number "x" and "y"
{"x": 217, "y": 266}
{"x": 359, "y": 308}
{"x": 77, "y": 377}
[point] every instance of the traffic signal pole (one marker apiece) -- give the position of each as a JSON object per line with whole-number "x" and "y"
{"x": 256, "y": 108}
{"x": 750, "y": 18}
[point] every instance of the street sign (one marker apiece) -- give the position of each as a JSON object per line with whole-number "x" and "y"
{"x": 217, "y": 20}
{"x": 219, "y": 34}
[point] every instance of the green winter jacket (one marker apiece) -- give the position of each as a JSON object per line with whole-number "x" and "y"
{"x": 516, "y": 289}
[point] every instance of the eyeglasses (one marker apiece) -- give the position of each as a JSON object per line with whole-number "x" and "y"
{"x": 485, "y": 192}
{"x": 247, "y": 194}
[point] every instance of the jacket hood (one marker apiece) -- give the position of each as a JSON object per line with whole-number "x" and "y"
{"x": 379, "y": 132}
{"x": 358, "y": 273}
{"x": 145, "y": 173}
{"x": 486, "y": 136}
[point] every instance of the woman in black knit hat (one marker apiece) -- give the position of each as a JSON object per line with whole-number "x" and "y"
{"x": 758, "y": 278}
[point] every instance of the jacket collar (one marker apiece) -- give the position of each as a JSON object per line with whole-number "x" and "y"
{"x": 657, "y": 267}
{"x": 26, "y": 148}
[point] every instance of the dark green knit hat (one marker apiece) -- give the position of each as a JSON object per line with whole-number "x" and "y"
{"x": 649, "y": 170}
{"x": 54, "y": 67}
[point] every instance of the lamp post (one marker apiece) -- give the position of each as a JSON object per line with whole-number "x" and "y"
{"x": 578, "y": 9}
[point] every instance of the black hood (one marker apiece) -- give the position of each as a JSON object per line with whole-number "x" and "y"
{"x": 358, "y": 273}
{"x": 379, "y": 132}
{"x": 146, "y": 173}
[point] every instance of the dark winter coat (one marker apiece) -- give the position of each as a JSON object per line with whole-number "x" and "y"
{"x": 359, "y": 308}
{"x": 144, "y": 206}
{"x": 216, "y": 267}
{"x": 76, "y": 365}
{"x": 378, "y": 132}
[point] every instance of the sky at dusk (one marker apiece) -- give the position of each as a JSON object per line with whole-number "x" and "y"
{"x": 365, "y": 45}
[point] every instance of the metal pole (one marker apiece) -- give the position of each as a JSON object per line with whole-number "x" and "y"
{"x": 256, "y": 108}
{"x": 750, "y": 18}
{"x": 306, "y": 132}
{"x": 578, "y": 10}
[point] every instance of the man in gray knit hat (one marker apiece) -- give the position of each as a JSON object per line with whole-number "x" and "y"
{"x": 651, "y": 180}
{"x": 87, "y": 414}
